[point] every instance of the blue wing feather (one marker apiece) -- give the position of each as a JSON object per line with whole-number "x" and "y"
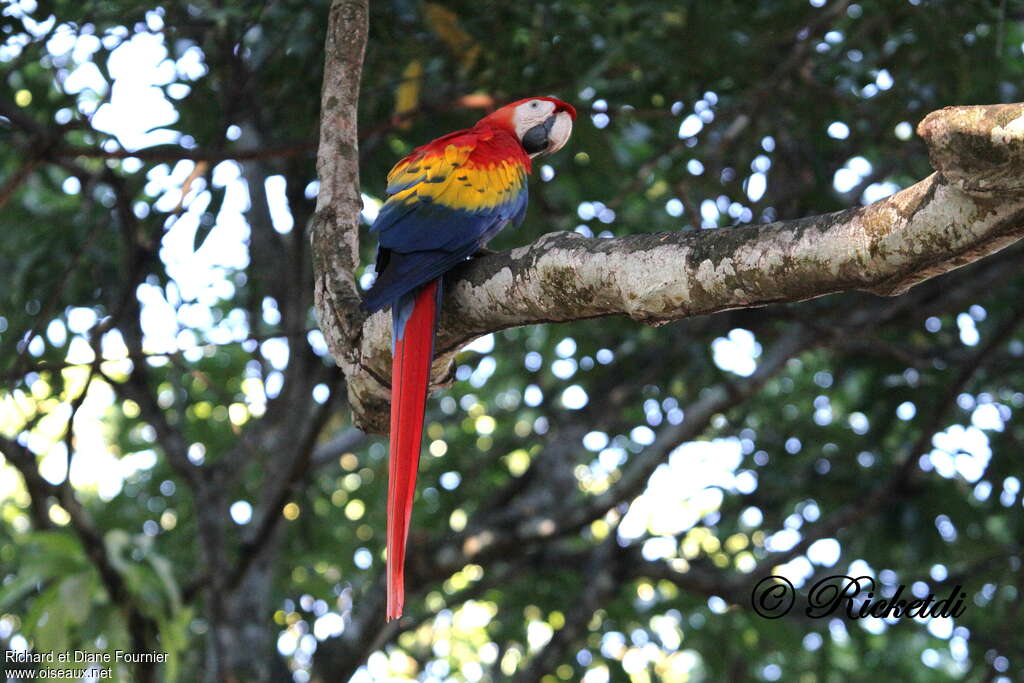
{"x": 421, "y": 235}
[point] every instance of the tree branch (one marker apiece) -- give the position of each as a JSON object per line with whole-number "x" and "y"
{"x": 335, "y": 229}
{"x": 141, "y": 628}
{"x": 10, "y": 187}
{"x": 895, "y": 486}
{"x": 601, "y": 581}
{"x": 973, "y": 207}
{"x": 172, "y": 153}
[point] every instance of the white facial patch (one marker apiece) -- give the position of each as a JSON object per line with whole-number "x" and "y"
{"x": 531, "y": 113}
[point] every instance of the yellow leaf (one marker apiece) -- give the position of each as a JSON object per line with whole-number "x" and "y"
{"x": 407, "y": 96}
{"x": 445, "y": 23}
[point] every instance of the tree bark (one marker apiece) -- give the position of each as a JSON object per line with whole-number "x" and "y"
{"x": 335, "y": 230}
{"x": 971, "y": 207}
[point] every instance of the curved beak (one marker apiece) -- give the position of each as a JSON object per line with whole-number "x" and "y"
{"x": 561, "y": 129}
{"x": 550, "y": 136}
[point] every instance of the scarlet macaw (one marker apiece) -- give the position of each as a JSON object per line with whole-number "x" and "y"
{"x": 445, "y": 201}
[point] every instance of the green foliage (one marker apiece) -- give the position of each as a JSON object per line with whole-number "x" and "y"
{"x": 213, "y": 405}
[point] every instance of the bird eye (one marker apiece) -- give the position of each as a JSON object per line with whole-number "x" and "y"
{"x": 534, "y": 104}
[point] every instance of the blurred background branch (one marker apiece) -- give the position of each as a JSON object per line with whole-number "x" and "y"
{"x": 181, "y": 468}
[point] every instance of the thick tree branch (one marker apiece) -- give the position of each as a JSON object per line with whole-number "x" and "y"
{"x": 335, "y": 230}
{"x": 972, "y": 207}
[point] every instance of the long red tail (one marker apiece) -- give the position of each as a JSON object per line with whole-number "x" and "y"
{"x": 410, "y": 374}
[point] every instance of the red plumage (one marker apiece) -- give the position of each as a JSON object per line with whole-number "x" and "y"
{"x": 410, "y": 372}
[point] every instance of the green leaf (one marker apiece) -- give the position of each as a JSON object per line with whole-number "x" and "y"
{"x": 22, "y": 584}
{"x": 76, "y": 594}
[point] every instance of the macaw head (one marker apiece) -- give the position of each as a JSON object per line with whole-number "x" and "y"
{"x": 541, "y": 124}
